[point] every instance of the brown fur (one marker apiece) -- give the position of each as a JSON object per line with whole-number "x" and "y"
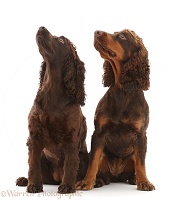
{"x": 56, "y": 145}
{"x": 119, "y": 142}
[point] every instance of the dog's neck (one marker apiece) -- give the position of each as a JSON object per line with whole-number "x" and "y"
{"x": 52, "y": 92}
{"x": 53, "y": 76}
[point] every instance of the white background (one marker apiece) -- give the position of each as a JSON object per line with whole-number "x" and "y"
{"x": 77, "y": 20}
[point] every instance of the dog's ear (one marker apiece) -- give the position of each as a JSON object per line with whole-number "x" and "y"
{"x": 41, "y": 78}
{"x": 135, "y": 72}
{"x": 74, "y": 76}
{"x": 80, "y": 77}
{"x": 42, "y": 73}
{"x": 108, "y": 75}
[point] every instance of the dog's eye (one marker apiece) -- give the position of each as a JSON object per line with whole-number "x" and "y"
{"x": 122, "y": 37}
{"x": 61, "y": 40}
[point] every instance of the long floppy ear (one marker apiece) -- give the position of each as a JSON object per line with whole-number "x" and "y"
{"x": 74, "y": 75}
{"x": 42, "y": 73}
{"x": 41, "y": 78}
{"x": 108, "y": 75}
{"x": 80, "y": 77}
{"x": 135, "y": 72}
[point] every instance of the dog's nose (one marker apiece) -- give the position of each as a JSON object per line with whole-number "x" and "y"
{"x": 42, "y": 28}
{"x": 98, "y": 32}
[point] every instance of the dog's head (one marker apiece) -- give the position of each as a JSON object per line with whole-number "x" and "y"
{"x": 127, "y": 49}
{"x": 60, "y": 52}
{"x": 52, "y": 48}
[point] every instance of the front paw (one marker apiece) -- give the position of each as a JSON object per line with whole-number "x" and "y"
{"x": 85, "y": 185}
{"x": 64, "y": 189}
{"x": 145, "y": 186}
{"x": 33, "y": 188}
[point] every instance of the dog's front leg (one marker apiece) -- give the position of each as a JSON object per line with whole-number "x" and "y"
{"x": 141, "y": 178}
{"x": 97, "y": 145}
{"x": 71, "y": 164}
{"x": 34, "y": 174}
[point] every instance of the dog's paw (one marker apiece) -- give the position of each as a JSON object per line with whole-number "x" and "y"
{"x": 100, "y": 182}
{"x": 132, "y": 180}
{"x": 84, "y": 185}
{"x": 21, "y": 181}
{"x": 145, "y": 186}
{"x": 33, "y": 188}
{"x": 64, "y": 189}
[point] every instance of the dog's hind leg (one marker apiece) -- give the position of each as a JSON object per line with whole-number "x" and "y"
{"x": 83, "y": 165}
{"x": 51, "y": 174}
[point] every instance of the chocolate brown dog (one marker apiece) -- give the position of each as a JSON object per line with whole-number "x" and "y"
{"x": 57, "y": 127}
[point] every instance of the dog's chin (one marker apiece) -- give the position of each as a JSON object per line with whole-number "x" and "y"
{"x": 44, "y": 46}
{"x": 104, "y": 52}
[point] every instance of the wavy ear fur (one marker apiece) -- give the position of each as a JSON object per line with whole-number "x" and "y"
{"x": 42, "y": 73}
{"x": 135, "y": 72}
{"x": 74, "y": 75}
{"x": 108, "y": 76}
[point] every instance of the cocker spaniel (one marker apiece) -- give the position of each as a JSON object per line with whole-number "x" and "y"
{"x": 57, "y": 128}
{"x": 119, "y": 142}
